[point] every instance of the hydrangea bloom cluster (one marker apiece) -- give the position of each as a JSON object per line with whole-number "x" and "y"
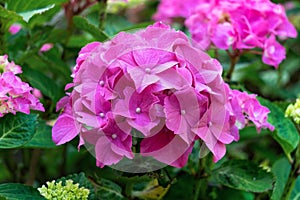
{"x": 171, "y": 9}
{"x": 15, "y": 95}
{"x": 155, "y": 86}
{"x": 69, "y": 191}
{"x": 293, "y": 111}
{"x": 237, "y": 24}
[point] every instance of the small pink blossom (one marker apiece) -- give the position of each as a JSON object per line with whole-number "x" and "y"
{"x": 15, "y": 95}
{"x": 238, "y": 25}
{"x": 170, "y": 9}
{"x": 15, "y": 28}
{"x": 274, "y": 53}
{"x": 7, "y": 66}
{"x": 247, "y": 108}
{"x": 46, "y": 47}
{"x": 37, "y": 93}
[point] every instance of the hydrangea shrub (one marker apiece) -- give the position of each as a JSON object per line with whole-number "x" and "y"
{"x": 156, "y": 82}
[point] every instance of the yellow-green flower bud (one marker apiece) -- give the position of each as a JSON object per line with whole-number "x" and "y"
{"x": 69, "y": 191}
{"x": 293, "y": 111}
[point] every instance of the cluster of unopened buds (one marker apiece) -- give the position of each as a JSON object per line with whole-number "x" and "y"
{"x": 15, "y": 95}
{"x": 67, "y": 191}
{"x": 154, "y": 89}
{"x": 293, "y": 111}
{"x": 236, "y": 24}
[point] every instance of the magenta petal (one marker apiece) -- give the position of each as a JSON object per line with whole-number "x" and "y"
{"x": 170, "y": 79}
{"x": 166, "y": 147}
{"x": 141, "y": 78}
{"x": 180, "y": 162}
{"x": 104, "y": 153}
{"x": 64, "y": 130}
{"x": 62, "y": 103}
{"x": 146, "y": 57}
{"x": 219, "y": 151}
{"x": 123, "y": 150}
{"x": 274, "y": 53}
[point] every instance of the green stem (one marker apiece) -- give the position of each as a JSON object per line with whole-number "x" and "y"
{"x": 128, "y": 189}
{"x": 201, "y": 179}
{"x": 33, "y": 165}
{"x": 2, "y": 41}
{"x": 102, "y": 13}
{"x": 234, "y": 58}
{"x": 197, "y": 189}
{"x": 293, "y": 174}
{"x": 64, "y": 163}
{"x": 216, "y": 54}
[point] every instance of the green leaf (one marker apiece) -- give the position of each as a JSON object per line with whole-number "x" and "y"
{"x": 29, "y": 14}
{"x": 243, "y": 175}
{"x": 82, "y": 180}
{"x": 29, "y": 8}
{"x": 107, "y": 190}
{"x": 20, "y": 6}
{"x": 226, "y": 193}
{"x": 285, "y": 132}
{"x": 185, "y": 183}
{"x": 295, "y": 195}
{"x": 42, "y": 137}
{"x": 14, "y": 191}
{"x": 6, "y": 14}
{"x": 16, "y": 130}
{"x": 116, "y": 23}
{"x": 38, "y": 80}
{"x": 152, "y": 191}
{"x": 281, "y": 169}
{"x": 83, "y": 24}
{"x": 78, "y": 41}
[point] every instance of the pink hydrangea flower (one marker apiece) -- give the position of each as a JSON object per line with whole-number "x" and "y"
{"x": 153, "y": 85}
{"x": 247, "y": 108}
{"x": 7, "y": 66}
{"x": 274, "y": 53}
{"x": 170, "y": 9}
{"x": 239, "y": 25}
{"x": 15, "y": 28}
{"x": 46, "y": 47}
{"x": 15, "y": 95}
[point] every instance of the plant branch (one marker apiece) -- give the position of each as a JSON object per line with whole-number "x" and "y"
{"x": 234, "y": 58}
{"x": 33, "y": 165}
{"x": 102, "y": 13}
{"x": 293, "y": 174}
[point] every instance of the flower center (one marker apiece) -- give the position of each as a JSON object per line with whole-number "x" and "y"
{"x": 101, "y": 83}
{"x": 209, "y": 124}
{"x": 271, "y": 49}
{"x": 182, "y": 112}
{"x": 148, "y": 70}
{"x": 114, "y": 136}
{"x": 102, "y": 115}
{"x": 138, "y": 110}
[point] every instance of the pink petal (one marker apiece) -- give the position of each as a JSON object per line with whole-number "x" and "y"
{"x": 64, "y": 130}
{"x": 46, "y": 47}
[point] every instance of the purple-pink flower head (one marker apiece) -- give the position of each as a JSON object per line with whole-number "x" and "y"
{"x": 46, "y": 47}
{"x": 237, "y": 24}
{"x": 151, "y": 90}
{"x": 15, "y": 95}
{"x": 15, "y": 28}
